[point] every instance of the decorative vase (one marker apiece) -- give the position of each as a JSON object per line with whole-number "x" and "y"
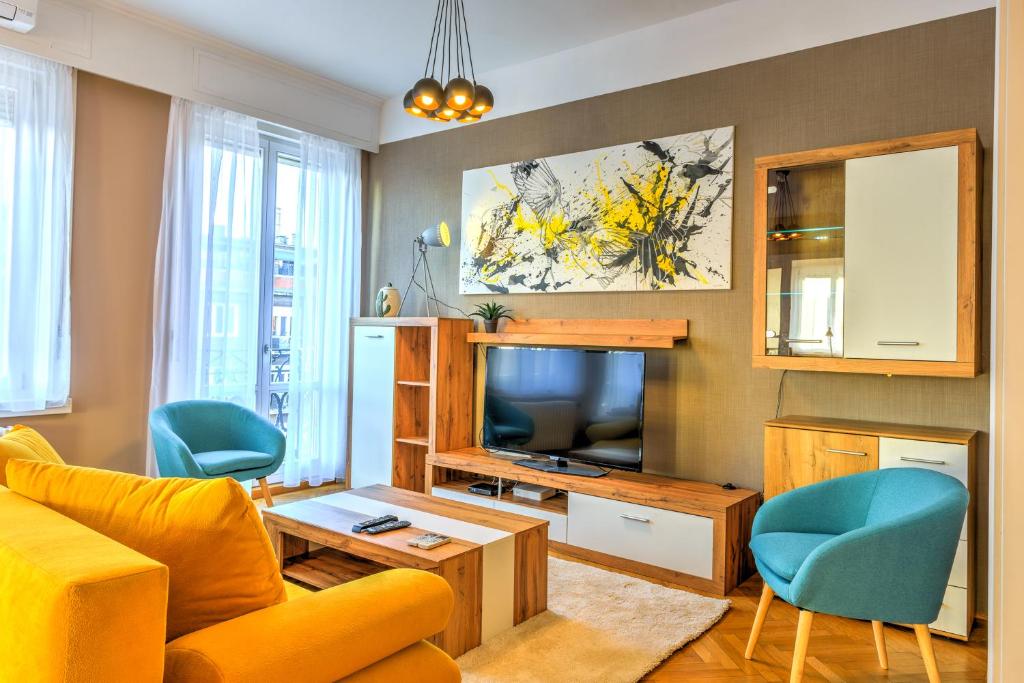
{"x": 388, "y": 302}
{"x": 490, "y": 326}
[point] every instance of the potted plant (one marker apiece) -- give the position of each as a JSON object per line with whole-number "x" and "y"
{"x": 490, "y": 313}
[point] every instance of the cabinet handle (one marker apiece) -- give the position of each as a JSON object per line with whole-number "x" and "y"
{"x": 924, "y": 460}
{"x": 635, "y": 518}
{"x": 840, "y": 451}
{"x": 899, "y": 343}
{"x": 374, "y": 336}
{"x": 804, "y": 341}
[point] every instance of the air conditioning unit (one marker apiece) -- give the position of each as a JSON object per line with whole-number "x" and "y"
{"x": 18, "y": 15}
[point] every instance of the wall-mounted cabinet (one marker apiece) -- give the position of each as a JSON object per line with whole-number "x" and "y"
{"x": 867, "y": 257}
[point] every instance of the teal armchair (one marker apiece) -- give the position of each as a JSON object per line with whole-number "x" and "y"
{"x": 877, "y": 546}
{"x": 210, "y": 439}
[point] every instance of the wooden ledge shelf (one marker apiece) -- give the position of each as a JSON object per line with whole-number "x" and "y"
{"x": 414, "y": 440}
{"x": 638, "y": 334}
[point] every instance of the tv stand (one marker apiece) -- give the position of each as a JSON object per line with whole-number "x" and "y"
{"x": 562, "y": 466}
{"x": 690, "y": 533}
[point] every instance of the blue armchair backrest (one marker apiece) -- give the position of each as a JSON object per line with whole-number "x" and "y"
{"x": 205, "y": 425}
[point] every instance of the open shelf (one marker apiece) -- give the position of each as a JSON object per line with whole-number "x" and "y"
{"x": 643, "y": 334}
{"x": 414, "y": 440}
{"x": 558, "y": 504}
{"x": 327, "y": 567}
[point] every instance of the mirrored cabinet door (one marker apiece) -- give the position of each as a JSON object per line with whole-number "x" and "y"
{"x": 805, "y": 268}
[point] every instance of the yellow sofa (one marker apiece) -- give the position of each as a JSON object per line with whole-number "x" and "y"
{"x": 77, "y": 606}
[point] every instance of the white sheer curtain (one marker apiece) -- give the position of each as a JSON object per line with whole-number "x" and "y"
{"x": 325, "y": 296}
{"x": 37, "y": 121}
{"x": 206, "y": 295}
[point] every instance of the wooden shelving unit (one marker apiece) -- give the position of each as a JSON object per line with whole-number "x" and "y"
{"x": 637, "y": 334}
{"x": 433, "y": 384}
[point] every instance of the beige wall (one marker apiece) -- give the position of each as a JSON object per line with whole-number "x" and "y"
{"x": 705, "y": 403}
{"x": 1007, "y": 610}
{"x": 119, "y": 157}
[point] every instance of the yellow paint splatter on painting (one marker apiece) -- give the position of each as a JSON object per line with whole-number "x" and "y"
{"x": 666, "y": 265}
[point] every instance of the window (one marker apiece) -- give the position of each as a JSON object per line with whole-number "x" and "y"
{"x": 280, "y": 220}
{"x": 36, "y": 134}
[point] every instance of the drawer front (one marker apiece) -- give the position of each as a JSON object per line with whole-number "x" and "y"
{"x": 953, "y": 615}
{"x": 373, "y": 404}
{"x": 673, "y": 540}
{"x": 798, "y": 457}
{"x": 958, "y": 575}
{"x": 948, "y": 458}
{"x": 557, "y": 524}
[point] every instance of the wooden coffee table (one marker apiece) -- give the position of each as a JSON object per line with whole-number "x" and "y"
{"x": 496, "y": 562}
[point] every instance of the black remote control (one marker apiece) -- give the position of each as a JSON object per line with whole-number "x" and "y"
{"x": 388, "y": 526}
{"x": 363, "y": 526}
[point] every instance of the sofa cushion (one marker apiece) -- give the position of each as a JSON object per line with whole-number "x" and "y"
{"x": 207, "y": 532}
{"x": 784, "y": 552}
{"x": 217, "y": 463}
{"x": 24, "y": 443}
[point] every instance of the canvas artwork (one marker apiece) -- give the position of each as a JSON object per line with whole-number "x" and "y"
{"x": 648, "y": 216}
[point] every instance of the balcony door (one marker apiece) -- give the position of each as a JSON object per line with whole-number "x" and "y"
{"x": 280, "y": 217}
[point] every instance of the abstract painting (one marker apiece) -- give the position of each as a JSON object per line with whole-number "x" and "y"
{"x": 649, "y": 216}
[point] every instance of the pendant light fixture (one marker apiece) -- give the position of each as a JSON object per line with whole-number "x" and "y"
{"x": 448, "y": 57}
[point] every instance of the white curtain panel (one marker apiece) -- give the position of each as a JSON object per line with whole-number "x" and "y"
{"x": 37, "y": 122}
{"x": 206, "y": 294}
{"x": 325, "y": 296}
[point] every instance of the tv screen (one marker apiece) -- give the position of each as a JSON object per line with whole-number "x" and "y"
{"x": 566, "y": 403}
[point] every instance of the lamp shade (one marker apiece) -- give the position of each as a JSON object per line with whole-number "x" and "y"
{"x": 437, "y": 235}
{"x": 483, "y": 100}
{"x": 427, "y": 94}
{"x": 458, "y": 94}
{"x": 411, "y": 106}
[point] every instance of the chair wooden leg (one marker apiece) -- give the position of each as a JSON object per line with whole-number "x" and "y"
{"x": 803, "y": 635}
{"x": 924, "y": 641}
{"x": 266, "y": 492}
{"x": 762, "y": 611}
{"x": 883, "y": 656}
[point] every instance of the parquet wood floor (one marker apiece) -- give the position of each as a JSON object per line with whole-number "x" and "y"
{"x": 840, "y": 651}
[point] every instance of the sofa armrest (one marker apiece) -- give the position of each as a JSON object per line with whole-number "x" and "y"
{"x": 325, "y": 636}
{"x": 71, "y": 599}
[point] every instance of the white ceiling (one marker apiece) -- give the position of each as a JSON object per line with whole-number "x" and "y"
{"x": 379, "y": 46}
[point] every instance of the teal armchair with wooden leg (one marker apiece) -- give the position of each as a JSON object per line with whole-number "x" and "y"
{"x": 877, "y": 546}
{"x": 205, "y": 439}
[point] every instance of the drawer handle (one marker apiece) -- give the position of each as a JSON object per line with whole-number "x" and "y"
{"x": 840, "y": 451}
{"x": 374, "y": 336}
{"x": 899, "y": 343}
{"x": 804, "y": 341}
{"x": 634, "y": 518}
{"x": 924, "y": 460}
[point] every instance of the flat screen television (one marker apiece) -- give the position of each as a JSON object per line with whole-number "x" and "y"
{"x": 572, "y": 410}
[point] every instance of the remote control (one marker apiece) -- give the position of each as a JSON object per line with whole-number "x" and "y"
{"x": 388, "y": 526}
{"x": 364, "y": 525}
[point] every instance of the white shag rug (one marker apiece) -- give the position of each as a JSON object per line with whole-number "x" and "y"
{"x": 600, "y": 626}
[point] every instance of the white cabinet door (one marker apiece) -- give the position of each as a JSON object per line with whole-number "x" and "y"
{"x": 663, "y": 538}
{"x": 901, "y": 256}
{"x": 373, "y": 405}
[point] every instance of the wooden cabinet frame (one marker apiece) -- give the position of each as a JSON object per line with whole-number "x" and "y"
{"x": 967, "y": 363}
